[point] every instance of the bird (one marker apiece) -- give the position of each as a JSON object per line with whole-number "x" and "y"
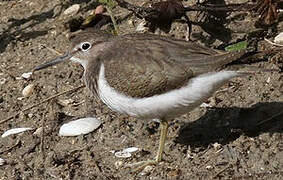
{"x": 149, "y": 76}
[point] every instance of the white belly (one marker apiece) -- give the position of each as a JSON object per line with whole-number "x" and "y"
{"x": 168, "y": 105}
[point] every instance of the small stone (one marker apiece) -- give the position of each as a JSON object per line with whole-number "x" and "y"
{"x": 216, "y": 146}
{"x": 65, "y": 102}
{"x": 174, "y": 173}
{"x": 20, "y": 98}
{"x": 3, "y": 81}
{"x": 99, "y": 9}
{"x": 26, "y": 75}
{"x": 146, "y": 170}
{"x": 268, "y": 80}
{"x": 208, "y": 167}
{"x": 28, "y": 90}
{"x": 72, "y": 9}
{"x": 118, "y": 164}
{"x": 2, "y": 162}
{"x": 131, "y": 22}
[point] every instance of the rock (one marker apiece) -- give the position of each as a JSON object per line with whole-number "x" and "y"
{"x": 72, "y": 9}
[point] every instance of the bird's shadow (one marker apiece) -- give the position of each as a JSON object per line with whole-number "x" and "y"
{"x": 227, "y": 124}
{"x": 214, "y": 23}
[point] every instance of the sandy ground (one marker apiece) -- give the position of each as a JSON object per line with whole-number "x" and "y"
{"x": 239, "y": 137}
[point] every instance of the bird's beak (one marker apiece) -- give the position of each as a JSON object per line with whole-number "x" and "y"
{"x": 57, "y": 60}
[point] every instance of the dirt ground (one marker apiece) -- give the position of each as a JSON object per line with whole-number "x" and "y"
{"x": 239, "y": 137}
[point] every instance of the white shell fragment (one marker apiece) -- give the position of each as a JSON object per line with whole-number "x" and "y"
{"x": 126, "y": 153}
{"x": 14, "y": 131}
{"x": 26, "y": 75}
{"x": 28, "y": 90}
{"x": 2, "y": 162}
{"x": 79, "y": 126}
{"x": 131, "y": 149}
{"x": 122, "y": 154}
{"x": 279, "y": 38}
{"x": 72, "y": 9}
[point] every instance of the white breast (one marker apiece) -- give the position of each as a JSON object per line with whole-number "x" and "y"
{"x": 167, "y": 105}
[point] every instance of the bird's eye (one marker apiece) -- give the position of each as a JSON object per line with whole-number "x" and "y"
{"x": 85, "y": 46}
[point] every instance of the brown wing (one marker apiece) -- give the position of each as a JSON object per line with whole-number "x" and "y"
{"x": 147, "y": 65}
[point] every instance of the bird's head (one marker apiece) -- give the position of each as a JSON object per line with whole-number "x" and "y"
{"x": 85, "y": 46}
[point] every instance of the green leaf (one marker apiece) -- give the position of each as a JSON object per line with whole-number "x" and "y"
{"x": 109, "y": 3}
{"x": 237, "y": 46}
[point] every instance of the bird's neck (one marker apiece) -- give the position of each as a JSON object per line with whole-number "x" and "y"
{"x": 91, "y": 75}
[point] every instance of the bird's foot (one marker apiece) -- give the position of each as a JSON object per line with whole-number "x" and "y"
{"x": 139, "y": 166}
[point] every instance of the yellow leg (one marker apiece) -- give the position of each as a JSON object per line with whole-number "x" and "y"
{"x": 164, "y": 129}
{"x": 143, "y": 164}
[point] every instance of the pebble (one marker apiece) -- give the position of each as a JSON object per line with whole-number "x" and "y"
{"x": 208, "y": 167}
{"x": 26, "y": 75}
{"x": 99, "y": 9}
{"x": 2, "y": 162}
{"x": 30, "y": 115}
{"x": 146, "y": 170}
{"x": 268, "y": 80}
{"x": 65, "y": 102}
{"x": 3, "y": 81}
{"x": 72, "y": 9}
{"x": 28, "y": 90}
{"x": 118, "y": 164}
{"x": 216, "y": 146}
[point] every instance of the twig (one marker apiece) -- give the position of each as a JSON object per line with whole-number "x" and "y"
{"x": 220, "y": 7}
{"x": 12, "y": 147}
{"x": 113, "y": 20}
{"x": 25, "y": 164}
{"x": 79, "y": 103}
{"x": 268, "y": 119}
{"x": 143, "y": 12}
{"x": 272, "y": 43}
{"x": 37, "y": 104}
{"x": 222, "y": 170}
